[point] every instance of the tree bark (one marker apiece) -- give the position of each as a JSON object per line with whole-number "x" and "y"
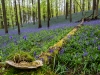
{"x": 4, "y": 16}
{"x": 20, "y": 14}
{"x": 66, "y": 9}
{"x": 48, "y": 12}
{"x": 39, "y": 15}
{"x": 94, "y": 8}
{"x": 33, "y": 13}
{"x": 97, "y": 4}
{"x": 74, "y": 6}
{"x": 83, "y": 5}
{"x": 56, "y": 8}
{"x": 16, "y": 17}
{"x": 70, "y": 10}
{"x": 88, "y": 4}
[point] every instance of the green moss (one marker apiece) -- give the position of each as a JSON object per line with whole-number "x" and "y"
{"x": 20, "y": 56}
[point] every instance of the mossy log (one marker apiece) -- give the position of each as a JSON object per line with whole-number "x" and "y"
{"x": 57, "y": 47}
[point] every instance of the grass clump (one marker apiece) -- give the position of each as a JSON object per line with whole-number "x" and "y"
{"x": 21, "y": 56}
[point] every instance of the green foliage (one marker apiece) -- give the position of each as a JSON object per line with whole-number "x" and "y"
{"x": 81, "y": 54}
{"x": 97, "y": 33}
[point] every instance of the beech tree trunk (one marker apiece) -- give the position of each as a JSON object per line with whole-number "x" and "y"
{"x": 97, "y": 4}
{"x": 48, "y": 12}
{"x": 20, "y": 13}
{"x": 39, "y": 15}
{"x": 33, "y": 13}
{"x": 16, "y": 17}
{"x": 4, "y": 16}
{"x": 88, "y": 4}
{"x": 70, "y": 10}
{"x": 57, "y": 8}
{"x": 66, "y": 9}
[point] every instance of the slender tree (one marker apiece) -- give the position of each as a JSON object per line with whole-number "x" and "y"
{"x": 1, "y": 17}
{"x": 33, "y": 13}
{"x": 57, "y": 8}
{"x": 70, "y": 10}
{"x": 4, "y": 16}
{"x": 16, "y": 17}
{"x": 83, "y": 5}
{"x": 39, "y": 15}
{"x": 20, "y": 13}
{"x": 48, "y": 12}
{"x": 74, "y": 6}
{"x": 88, "y": 4}
{"x": 66, "y": 9}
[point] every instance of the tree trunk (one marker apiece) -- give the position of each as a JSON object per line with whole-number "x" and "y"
{"x": 97, "y": 4}
{"x": 16, "y": 16}
{"x": 48, "y": 12}
{"x": 56, "y": 8}
{"x": 94, "y": 8}
{"x": 83, "y": 5}
{"x": 70, "y": 10}
{"x": 51, "y": 11}
{"x": 20, "y": 13}
{"x": 33, "y": 13}
{"x": 39, "y": 15}
{"x": 66, "y": 9}
{"x": 12, "y": 8}
{"x": 1, "y": 22}
{"x": 44, "y": 10}
{"x": 4, "y": 16}
{"x": 24, "y": 14}
{"x": 74, "y": 6}
{"x": 88, "y": 4}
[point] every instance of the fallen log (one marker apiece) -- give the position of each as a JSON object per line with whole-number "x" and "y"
{"x": 53, "y": 50}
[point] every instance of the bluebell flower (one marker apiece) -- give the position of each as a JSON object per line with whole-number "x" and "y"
{"x": 99, "y": 47}
{"x": 85, "y": 54}
{"x": 15, "y": 41}
{"x": 51, "y": 50}
{"x": 10, "y": 37}
{"x": 94, "y": 41}
{"x": 24, "y": 37}
{"x": 61, "y": 51}
{"x": 34, "y": 54}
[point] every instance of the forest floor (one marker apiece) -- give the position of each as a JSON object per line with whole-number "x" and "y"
{"x": 41, "y": 41}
